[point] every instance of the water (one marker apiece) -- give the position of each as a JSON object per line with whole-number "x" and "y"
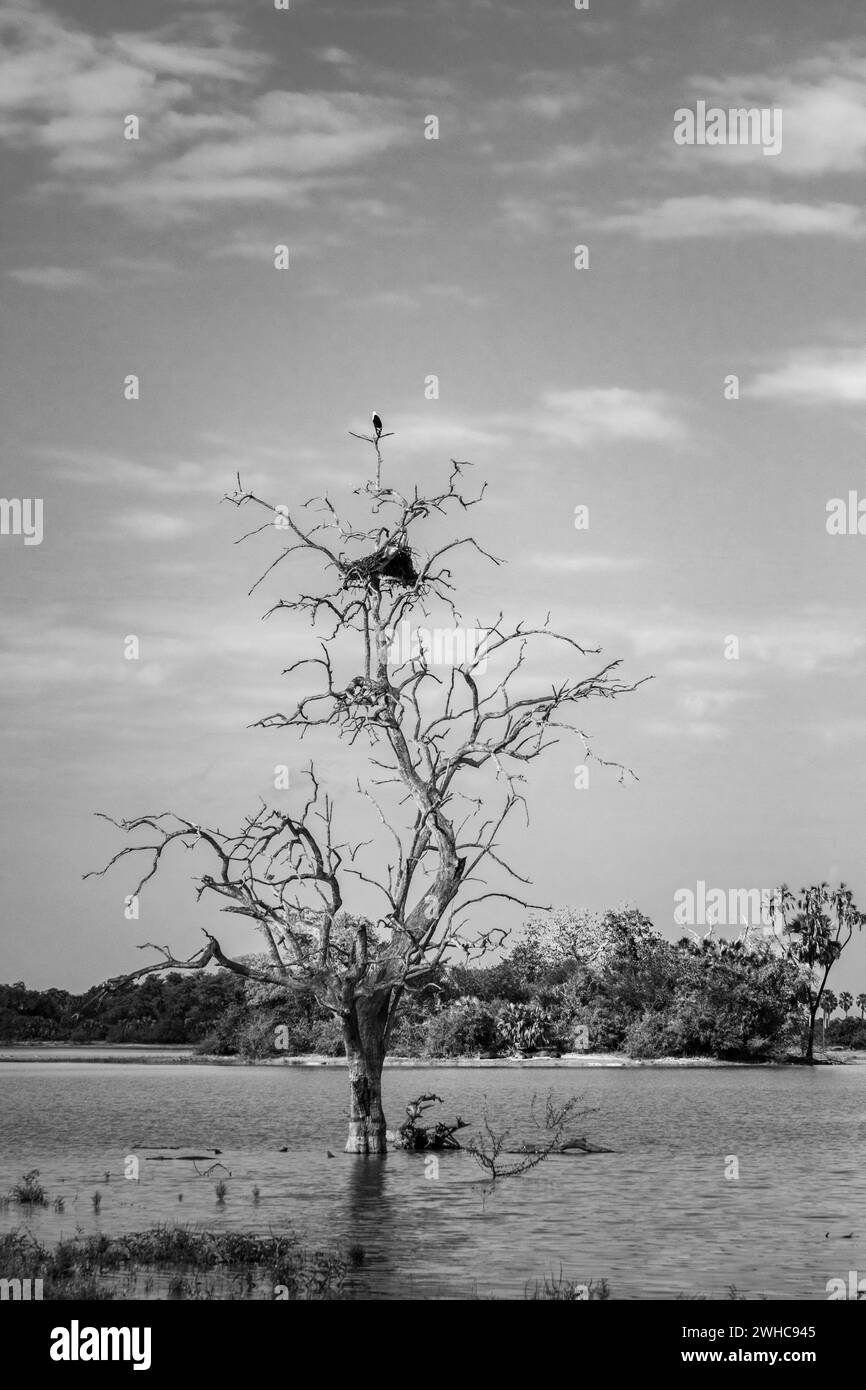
{"x": 656, "y": 1218}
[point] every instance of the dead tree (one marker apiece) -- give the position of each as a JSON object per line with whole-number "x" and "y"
{"x": 430, "y": 735}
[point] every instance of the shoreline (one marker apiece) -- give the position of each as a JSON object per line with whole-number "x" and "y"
{"x": 165, "y": 1055}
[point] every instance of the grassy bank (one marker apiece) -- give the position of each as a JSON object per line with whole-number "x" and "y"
{"x": 180, "y": 1262}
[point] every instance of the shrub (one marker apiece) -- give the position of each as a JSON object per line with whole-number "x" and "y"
{"x": 847, "y": 1032}
{"x": 462, "y": 1030}
{"x": 650, "y": 1036}
{"x": 255, "y": 1038}
{"x": 327, "y": 1038}
{"x": 409, "y": 1034}
{"x": 607, "y": 1023}
{"x": 29, "y": 1192}
{"x": 522, "y": 1026}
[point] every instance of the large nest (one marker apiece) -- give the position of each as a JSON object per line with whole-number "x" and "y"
{"x": 392, "y": 563}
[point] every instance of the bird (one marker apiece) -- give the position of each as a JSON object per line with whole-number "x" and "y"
{"x": 377, "y": 424}
{"x": 328, "y": 1152}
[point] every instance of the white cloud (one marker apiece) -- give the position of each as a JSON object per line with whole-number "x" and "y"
{"x": 697, "y": 703}
{"x": 591, "y": 414}
{"x": 65, "y": 93}
{"x": 436, "y": 434}
{"x": 806, "y": 647}
{"x": 112, "y": 470}
{"x": 823, "y": 103}
{"x": 52, "y": 277}
{"x": 708, "y": 216}
{"x": 585, "y": 564}
{"x": 154, "y": 526}
{"x": 704, "y": 730}
{"x": 552, "y": 105}
{"x": 815, "y": 376}
{"x": 337, "y": 57}
{"x": 580, "y": 417}
{"x": 286, "y": 145}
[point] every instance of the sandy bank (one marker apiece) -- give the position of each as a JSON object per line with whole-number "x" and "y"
{"x": 170, "y": 1056}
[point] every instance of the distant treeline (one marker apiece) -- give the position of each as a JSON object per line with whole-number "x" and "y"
{"x": 609, "y": 983}
{"x": 173, "y": 1008}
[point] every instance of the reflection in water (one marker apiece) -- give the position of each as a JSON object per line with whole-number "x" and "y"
{"x": 368, "y": 1214}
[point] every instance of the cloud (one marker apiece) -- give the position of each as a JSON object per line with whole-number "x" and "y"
{"x": 66, "y": 92}
{"x": 127, "y": 269}
{"x": 715, "y": 216}
{"x": 287, "y": 145}
{"x": 552, "y": 105}
{"x": 816, "y": 376}
{"x": 149, "y": 267}
{"x": 206, "y": 136}
{"x": 437, "y": 434}
{"x": 591, "y": 414}
{"x": 154, "y": 526}
{"x": 388, "y": 299}
{"x": 702, "y": 730}
{"x": 336, "y": 57}
{"x": 95, "y": 469}
{"x": 807, "y": 647}
{"x": 697, "y": 703}
{"x": 524, "y": 215}
{"x": 52, "y": 277}
{"x": 818, "y": 639}
{"x": 823, "y": 102}
{"x": 580, "y": 417}
{"x": 842, "y": 729}
{"x": 585, "y": 564}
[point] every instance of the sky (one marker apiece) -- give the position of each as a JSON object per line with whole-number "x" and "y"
{"x": 411, "y": 258}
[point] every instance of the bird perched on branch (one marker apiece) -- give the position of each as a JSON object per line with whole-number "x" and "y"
{"x": 377, "y": 425}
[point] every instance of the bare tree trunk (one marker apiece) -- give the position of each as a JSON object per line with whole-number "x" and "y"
{"x": 364, "y": 1034}
{"x": 810, "y": 1044}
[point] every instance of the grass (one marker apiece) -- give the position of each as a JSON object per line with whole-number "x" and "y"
{"x": 240, "y": 1265}
{"x": 556, "y": 1288}
{"x": 29, "y": 1192}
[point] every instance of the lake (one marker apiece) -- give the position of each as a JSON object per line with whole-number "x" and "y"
{"x": 656, "y": 1218}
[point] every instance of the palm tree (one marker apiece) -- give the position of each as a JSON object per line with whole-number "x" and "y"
{"x": 845, "y": 1001}
{"x": 860, "y": 1001}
